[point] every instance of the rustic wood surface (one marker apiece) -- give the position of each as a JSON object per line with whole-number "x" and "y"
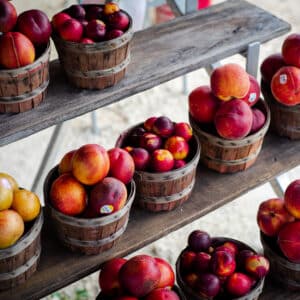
{"x": 159, "y": 54}
{"x": 60, "y": 267}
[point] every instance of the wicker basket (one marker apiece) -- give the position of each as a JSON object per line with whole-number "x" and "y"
{"x": 284, "y": 272}
{"x": 24, "y": 88}
{"x": 168, "y": 190}
{"x": 285, "y": 120}
{"x": 98, "y": 65}
{"x": 192, "y": 295}
{"x": 229, "y": 156}
{"x": 88, "y": 236}
{"x": 19, "y": 262}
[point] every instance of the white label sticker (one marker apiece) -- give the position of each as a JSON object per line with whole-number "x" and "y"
{"x": 106, "y": 209}
{"x": 283, "y": 79}
{"x": 252, "y": 97}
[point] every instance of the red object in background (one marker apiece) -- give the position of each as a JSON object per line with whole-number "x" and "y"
{"x": 203, "y": 3}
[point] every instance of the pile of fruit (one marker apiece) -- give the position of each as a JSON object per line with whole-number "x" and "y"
{"x": 141, "y": 277}
{"x": 92, "y": 181}
{"x": 24, "y": 37}
{"x": 281, "y": 72}
{"x": 159, "y": 145}
{"x": 18, "y": 207}
{"x": 219, "y": 267}
{"x": 280, "y": 219}
{"x": 227, "y": 107}
{"x": 91, "y": 23}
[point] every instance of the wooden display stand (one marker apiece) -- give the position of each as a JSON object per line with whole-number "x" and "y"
{"x": 159, "y": 54}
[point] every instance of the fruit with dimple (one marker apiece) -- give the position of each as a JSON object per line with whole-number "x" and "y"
{"x": 148, "y": 124}
{"x": 253, "y": 93}
{"x": 223, "y": 263}
{"x": 71, "y": 30}
{"x": 259, "y": 120}
{"x": 270, "y": 66}
{"x": 65, "y": 165}
{"x": 58, "y": 19}
{"x": 184, "y": 130}
{"x": 76, "y": 11}
{"x": 292, "y": 198}
{"x": 141, "y": 158}
{"x": 163, "y": 127}
{"x": 6, "y": 194}
{"x": 178, "y": 146}
{"x": 230, "y": 247}
{"x": 150, "y": 141}
{"x": 238, "y": 284}
{"x": 291, "y": 50}
{"x": 199, "y": 240}
{"x": 161, "y": 160}
{"x": 208, "y": 285}
{"x": 167, "y": 276}
{"x": 135, "y": 136}
{"x": 12, "y": 180}
{"x": 118, "y": 20}
{"x": 242, "y": 256}
{"x": 96, "y": 30}
{"x": 257, "y": 266}
{"x": 8, "y": 16}
{"x": 162, "y": 294}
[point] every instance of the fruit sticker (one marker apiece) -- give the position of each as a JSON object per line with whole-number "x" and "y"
{"x": 283, "y": 79}
{"x": 106, "y": 209}
{"x": 252, "y": 97}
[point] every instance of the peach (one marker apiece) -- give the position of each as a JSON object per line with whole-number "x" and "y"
{"x": 148, "y": 124}
{"x": 179, "y": 163}
{"x": 121, "y": 164}
{"x": 259, "y": 120}
{"x": 242, "y": 256}
{"x": 184, "y": 130}
{"x": 238, "y": 284}
{"x": 16, "y": 50}
{"x": 229, "y": 81}
{"x": 76, "y": 11}
{"x": 167, "y": 276}
{"x": 272, "y": 215}
{"x": 289, "y": 241}
{"x": 187, "y": 260}
{"x": 14, "y": 184}
{"x": 65, "y": 165}
{"x": 6, "y": 194}
{"x": 257, "y": 266}
{"x": 199, "y": 240}
{"x": 118, "y": 20}
{"x": 71, "y": 30}
{"x": 140, "y": 275}
{"x": 35, "y": 25}
{"x": 202, "y": 262}
{"x": 191, "y": 279}
{"x": 87, "y": 41}
{"x": 270, "y": 66}
{"x": 95, "y": 30}
{"x": 254, "y": 92}
{"x": 234, "y": 119}
{"x": 8, "y": 16}
{"x": 94, "y": 12}
{"x": 90, "y": 164}
{"x": 141, "y": 158}
{"x": 108, "y": 196}
{"x": 109, "y": 277}
{"x": 58, "y": 19}
{"x": 291, "y": 50}
{"x": 285, "y": 85}
{"x": 161, "y": 160}
{"x": 162, "y": 294}
{"x": 229, "y": 246}
{"x": 223, "y": 263}
{"x": 11, "y": 228}
{"x": 163, "y": 126}
{"x": 208, "y": 285}
{"x": 177, "y": 146}
{"x": 292, "y": 198}
{"x": 67, "y": 195}
{"x": 150, "y": 141}
{"x": 135, "y": 136}
{"x": 113, "y": 34}
{"x": 110, "y": 8}
{"x": 203, "y": 105}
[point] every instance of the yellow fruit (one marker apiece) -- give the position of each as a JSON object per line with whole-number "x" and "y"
{"x": 11, "y": 227}
{"x": 6, "y": 194}
{"x": 27, "y": 204}
{"x": 11, "y": 180}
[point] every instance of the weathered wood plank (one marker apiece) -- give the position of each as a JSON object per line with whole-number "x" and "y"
{"x": 59, "y": 267}
{"x": 159, "y": 54}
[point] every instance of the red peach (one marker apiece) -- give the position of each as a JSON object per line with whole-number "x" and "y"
{"x": 199, "y": 240}
{"x": 179, "y": 163}
{"x": 96, "y": 30}
{"x": 65, "y": 165}
{"x": 148, "y": 124}
{"x": 135, "y": 136}
{"x": 71, "y": 30}
{"x": 229, "y": 246}
{"x": 87, "y": 41}
{"x": 272, "y": 215}
{"x": 163, "y": 126}
{"x": 289, "y": 241}
{"x": 113, "y": 34}
{"x": 187, "y": 260}
{"x": 110, "y": 8}
{"x": 223, "y": 263}
{"x": 140, "y": 275}
{"x": 229, "y": 81}
{"x": 270, "y": 66}
{"x": 162, "y": 294}
{"x": 254, "y": 92}
{"x": 242, "y": 256}
{"x": 68, "y": 195}
{"x": 208, "y": 285}
{"x": 162, "y": 160}
{"x": 150, "y": 141}
{"x": 59, "y": 19}
{"x": 141, "y": 158}
{"x": 233, "y": 119}
{"x": 292, "y": 198}
{"x": 259, "y": 120}
{"x": 285, "y": 85}
{"x": 167, "y": 276}
{"x": 121, "y": 164}
{"x": 118, "y": 20}
{"x": 16, "y": 50}
{"x": 291, "y": 50}
{"x": 257, "y": 266}
{"x": 184, "y": 130}
{"x": 238, "y": 284}
{"x": 76, "y": 11}
{"x": 108, "y": 196}
{"x": 8, "y": 16}
{"x": 203, "y": 105}
{"x": 35, "y": 25}
{"x": 90, "y": 164}
{"x": 109, "y": 277}
{"x": 94, "y": 12}
{"x": 201, "y": 262}
{"x": 177, "y": 146}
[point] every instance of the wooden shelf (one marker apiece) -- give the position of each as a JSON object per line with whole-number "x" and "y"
{"x": 159, "y": 54}
{"x": 59, "y": 267}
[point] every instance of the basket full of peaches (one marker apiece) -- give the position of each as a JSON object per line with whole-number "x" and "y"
{"x": 93, "y": 44}
{"x": 88, "y": 197}
{"x": 229, "y": 119}
{"x": 24, "y": 58}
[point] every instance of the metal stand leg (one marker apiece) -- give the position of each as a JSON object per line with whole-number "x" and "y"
{"x": 277, "y": 188}
{"x": 95, "y": 127}
{"x": 184, "y": 84}
{"x": 252, "y": 58}
{"x": 209, "y": 69}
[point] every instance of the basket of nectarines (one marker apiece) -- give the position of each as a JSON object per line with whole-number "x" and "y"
{"x": 21, "y": 220}
{"x": 24, "y": 58}
{"x": 278, "y": 220}
{"x": 229, "y": 119}
{"x": 88, "y": 197}
{"x": 220, "y": 268}
{"x": 93, "y": 42}
{"x": 166, "y": 155}
{"x": 280, "y": 86}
